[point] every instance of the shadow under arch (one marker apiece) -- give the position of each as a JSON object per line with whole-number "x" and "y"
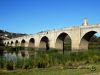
{"x": 16, "y": 43}
{"x": 63, "y": 42}
{"x": 7, "y": 43}
{"x": 23, "y": 43}
{"x": 85, "y": 40}
{"x": 12, "y": 43}
{"x": 31, "y": 43}
{"x": 44, "y": 43}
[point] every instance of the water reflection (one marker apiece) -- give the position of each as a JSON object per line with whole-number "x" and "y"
{"x": 13, "y": 56}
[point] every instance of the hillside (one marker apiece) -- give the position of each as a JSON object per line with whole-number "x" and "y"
{"x": 8, "y": 35}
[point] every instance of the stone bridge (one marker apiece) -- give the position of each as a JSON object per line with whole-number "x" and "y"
{"x": 79, "y": 36}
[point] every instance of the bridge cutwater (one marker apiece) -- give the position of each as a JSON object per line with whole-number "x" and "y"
{"x": 79, "y": 35}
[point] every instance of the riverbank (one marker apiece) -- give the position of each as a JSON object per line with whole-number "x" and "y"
{"x": 56, "y": 70}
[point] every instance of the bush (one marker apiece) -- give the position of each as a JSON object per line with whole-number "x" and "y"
{"x": 41, "y": 60}
{"x": 45, "y": 59}
{"x": 10, "y": 65}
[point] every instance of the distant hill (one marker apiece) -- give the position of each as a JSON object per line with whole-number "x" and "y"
{"x": 9, "y": 35}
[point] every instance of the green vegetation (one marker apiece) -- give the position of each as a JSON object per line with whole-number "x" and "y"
{"x": 58, "y": 70}
{"x": 51, "y": 62}
{"x": 42, "y": 59}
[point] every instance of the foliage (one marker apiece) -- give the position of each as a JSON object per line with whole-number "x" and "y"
{"x": 45, "y": 59}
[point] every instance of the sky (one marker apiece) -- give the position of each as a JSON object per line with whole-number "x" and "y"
{"x": 33, "y": 16}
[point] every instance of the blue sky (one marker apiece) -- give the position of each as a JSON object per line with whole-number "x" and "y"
{"x": 32, "y": 16}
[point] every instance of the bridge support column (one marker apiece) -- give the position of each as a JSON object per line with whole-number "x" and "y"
{"x": 13, "y": 45}
{"x": 37, "y": 42}
{"x": 75, "y": 35}
{"x": 75, "y": 46}
{"x": 52, "y": 44}
{"x": 26, "y": 44}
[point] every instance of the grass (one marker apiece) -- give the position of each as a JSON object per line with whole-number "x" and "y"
{"x": 53, "y": 62}
{"x": 48, "y": 59}
{"x": 56, "y": 70}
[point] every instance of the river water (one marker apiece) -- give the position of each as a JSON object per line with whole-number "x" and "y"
{"x": 13, "y": 56}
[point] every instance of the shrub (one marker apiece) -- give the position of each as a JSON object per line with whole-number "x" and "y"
{"x": 9, "y": 65}
{"x": 45, "y": 59}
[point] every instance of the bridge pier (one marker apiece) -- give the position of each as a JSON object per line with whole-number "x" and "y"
{"x": 75, "y": 46}
{"x": 75, "y": 36}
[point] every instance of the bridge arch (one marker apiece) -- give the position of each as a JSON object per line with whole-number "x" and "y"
{"x": 8, "y": 43}
{"x": 44, "y": 43}
{"x": 16, "y": 43}
{"x": 5, "y": 43}
{"x": 23, "y": 43}
{"x": 84, "y": 42}
{"x": 31, "y": 43}
{"x": 12, "y": 43}
{"x": 61, "y": 40}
